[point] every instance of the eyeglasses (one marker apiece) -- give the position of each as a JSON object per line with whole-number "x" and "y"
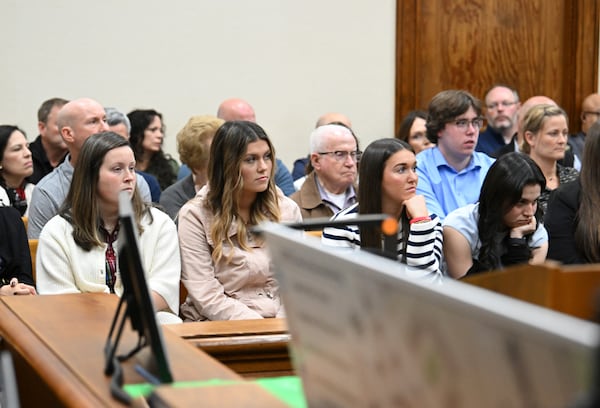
{"x": 505, "y": 104}
{"x": 341, "y": 155}
{"x": 464, "y": 123}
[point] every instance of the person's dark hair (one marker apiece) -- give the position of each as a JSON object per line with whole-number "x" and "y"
{"x": 371, "y": 168}
{"x": 5, "y": 132}
{"x": 47, "y": 106}
{"x": 587, "y": 232}
{"x": 445, "y": 107}
{"x": 502, "y": 189}
{"x": 80, "y": 207}
{"x": 226, "y": 184}
{"x": 158, "y": 165}
{"x": 15, "y": 199}
{"x": 407, "y": 122}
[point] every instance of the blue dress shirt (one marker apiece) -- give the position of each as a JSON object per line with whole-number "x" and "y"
{"x": 444, "y": 188}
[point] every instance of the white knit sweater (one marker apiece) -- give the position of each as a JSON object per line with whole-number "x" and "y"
{"x": 64, "y": 267}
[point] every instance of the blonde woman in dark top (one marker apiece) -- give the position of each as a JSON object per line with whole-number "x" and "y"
{"x": 573, "y": 220}
{"x": 545, "y": 132}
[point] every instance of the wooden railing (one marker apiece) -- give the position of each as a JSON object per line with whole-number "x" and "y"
{"x": 252, "y": 348}
{"x": 573, "y": 289}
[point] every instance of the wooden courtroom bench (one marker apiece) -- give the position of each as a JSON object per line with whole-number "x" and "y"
{"x": 251, "y": 348}
{"x": 572, "y": 289}
{"x": 57, "y": 344}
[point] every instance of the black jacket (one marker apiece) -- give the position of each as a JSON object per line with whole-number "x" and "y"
{"x": 15, "y": 258}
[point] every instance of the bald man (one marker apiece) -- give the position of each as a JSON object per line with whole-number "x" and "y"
{"x": 590, "y": 114}
{"x": 334, "y": 117}
{"x": 517, "y": 141}
{"x": 76, "y": 121}
{"x": 236, "y": 109}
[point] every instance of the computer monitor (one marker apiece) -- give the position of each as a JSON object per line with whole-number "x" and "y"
{"x": 139, "y": 308}
{"x": 366, "y": 331}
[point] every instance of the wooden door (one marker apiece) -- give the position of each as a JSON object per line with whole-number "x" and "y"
{"x": 540, "y": 47}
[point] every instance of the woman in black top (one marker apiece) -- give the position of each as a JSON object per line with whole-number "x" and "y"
{"x": 573, "y": 219}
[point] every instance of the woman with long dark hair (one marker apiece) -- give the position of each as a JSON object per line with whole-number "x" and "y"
{"x": 573, "y": 219}
{"x": 16, "y": 164}
{"x": 414, "y": 132}
{"x": 225, "y": 268}
{"x": 504, "y": 228}
{"x": 146, "y": 138}
{"x": 388, "y": 182}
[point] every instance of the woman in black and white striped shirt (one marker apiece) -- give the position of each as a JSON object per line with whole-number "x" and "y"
{"x": 388, "y": 182}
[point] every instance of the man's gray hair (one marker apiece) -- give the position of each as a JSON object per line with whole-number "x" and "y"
{"x": 318, "y": 137}
{"x": 115, "y": 117}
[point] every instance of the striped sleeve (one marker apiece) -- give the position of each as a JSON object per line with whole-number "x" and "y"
{"x": 424, "y": 248}
{"x": 343, "y": 236}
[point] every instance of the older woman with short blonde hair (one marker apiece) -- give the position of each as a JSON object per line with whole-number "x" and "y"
{"x": 545, "y": 131}
{"x": 193, "y": 144}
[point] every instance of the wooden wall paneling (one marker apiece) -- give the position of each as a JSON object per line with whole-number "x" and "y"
{"x": 406, "y": 58}
{"x": 586, "y": 23}
{"x": 540, "y": 47}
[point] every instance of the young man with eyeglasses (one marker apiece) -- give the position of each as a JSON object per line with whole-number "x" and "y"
{"x": 451, "y": 173}
{"x": 590, "y": 114}
{"x": 501, "y": 106}
{"x": 329, "y": 188}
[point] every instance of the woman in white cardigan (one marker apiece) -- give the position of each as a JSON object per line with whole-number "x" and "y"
{"x": 77, "y": 250}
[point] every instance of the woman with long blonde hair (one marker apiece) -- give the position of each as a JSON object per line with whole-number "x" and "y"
{"x": 225, "y": 269}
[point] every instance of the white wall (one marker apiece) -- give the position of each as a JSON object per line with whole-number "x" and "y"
{"x": 292, "y": 60}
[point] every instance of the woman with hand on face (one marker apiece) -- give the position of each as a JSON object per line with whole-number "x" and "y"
{"x": 226, "y": 269}
{"x": 545, "y": 131}
{"x": 413, "y": 131}
{"x": 77, "y": 250}
{"x": 504, "y": 228}
{"x": 16, "y": 164}
{"x": 388, "y": 185}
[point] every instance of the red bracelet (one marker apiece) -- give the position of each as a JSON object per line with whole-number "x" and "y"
{"x": 419, "y": 219}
